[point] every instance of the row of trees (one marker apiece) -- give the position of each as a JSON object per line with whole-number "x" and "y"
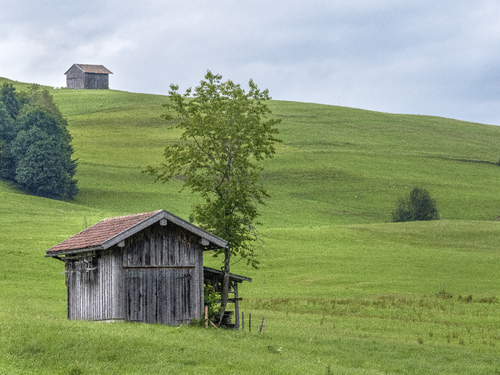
{"x": 35, "y": 145}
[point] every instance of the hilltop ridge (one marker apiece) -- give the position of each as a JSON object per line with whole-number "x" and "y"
{"x": 336, "y": 164}
{"x": 342, "y": 289}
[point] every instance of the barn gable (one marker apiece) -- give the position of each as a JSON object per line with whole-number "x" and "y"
{"x": 86, "y": 76}
{"x": 145, "y": 267}
{"x": 112, "y": 231}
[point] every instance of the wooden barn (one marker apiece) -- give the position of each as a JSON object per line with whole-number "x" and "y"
{"x": 146, "y": 267}
{"x": 85, "y": 76}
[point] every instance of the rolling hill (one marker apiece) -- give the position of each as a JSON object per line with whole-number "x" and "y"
{"x": 343, "y": 289}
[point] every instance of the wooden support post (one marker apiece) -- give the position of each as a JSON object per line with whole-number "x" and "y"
{"x": 262, "y": 327}
{"x": 208, "y": 320}
{"x": 236, "y": 306}
{"x": 242, "y": 320}
{"x": 249, "y": 322}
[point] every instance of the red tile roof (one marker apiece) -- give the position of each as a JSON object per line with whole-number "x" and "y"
{"x": 112, "y": 231}
{"x": 99, "y": 69}
{"x": 101, "y": 232}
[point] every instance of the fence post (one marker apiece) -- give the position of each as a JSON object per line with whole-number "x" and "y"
{"x": 262, "y": 327}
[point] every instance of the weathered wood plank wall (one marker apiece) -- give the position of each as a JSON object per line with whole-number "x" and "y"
{"x": 164, "y": 282}
{"x": 157, "y": 277}
{"x": 159, "y": 246}
{"x": 96, "y": 81}
{"x": 159, "y": 295}
{"x": 90, "y": 291}
{"x": 75, "y": 78}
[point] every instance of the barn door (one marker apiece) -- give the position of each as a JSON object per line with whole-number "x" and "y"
{"x": 159, "y": 295}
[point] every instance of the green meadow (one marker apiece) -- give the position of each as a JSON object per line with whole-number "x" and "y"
{"x": 342, "y": 289}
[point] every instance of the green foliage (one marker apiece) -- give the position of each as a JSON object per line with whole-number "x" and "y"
{"x": 40, "y": 168}
{"x": 226, "y": 133}
{"x": 417, "y": 206}
{"x": 7, "y": 130}
{"x": 211, "y": 299}
{"x": 335, "y": 166}
{"x": 37, "y": 149}
{"x": 360, "y": 302}
{"x": 9, "y": 99}
{"x": 342, "y": 290}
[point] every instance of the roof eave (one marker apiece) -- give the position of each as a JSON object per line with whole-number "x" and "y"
{"x": 213, "y": 239}
{"x": 131, "y": 231}
{"x": 238, "y": 278}
{"x": 79, "y": 67}
{"x": 52, "y": 254}
{"x": 214, "y": 242}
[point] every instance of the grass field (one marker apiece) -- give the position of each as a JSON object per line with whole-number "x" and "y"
{"x": 343, "y": 290}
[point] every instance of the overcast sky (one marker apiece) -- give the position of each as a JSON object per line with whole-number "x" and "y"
{"x": 435, "y": 57}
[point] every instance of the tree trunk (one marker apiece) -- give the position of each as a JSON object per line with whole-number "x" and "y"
{"x": 225, "y": 284}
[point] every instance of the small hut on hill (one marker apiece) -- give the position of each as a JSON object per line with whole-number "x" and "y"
{"x": 86, "y": 76}
{"x": 146, "y": 267}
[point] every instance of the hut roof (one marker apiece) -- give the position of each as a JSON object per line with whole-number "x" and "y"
{"x": 88, "y": 68}
{"x": 112, "y": 231}
{"x": 214, "y": 274}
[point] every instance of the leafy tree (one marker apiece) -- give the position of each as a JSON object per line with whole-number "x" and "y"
{"x": 226, "y": 133}
{"x": 9, "y": 108}
{"x": 7, "y": 132}
{"x": 40, "y": 168}
{"x": 417, "y": 206}
{"x": 51, "y": 122}
{"x": 38, "y": 116}
{"x": 7, "y": 129}
{"x": 36, "y": 145}
{"x": 9, "y": 98}
{"x": 7, "y": 135}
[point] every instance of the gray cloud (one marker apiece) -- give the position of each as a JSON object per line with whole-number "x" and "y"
{"x": 422, "y": 57}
